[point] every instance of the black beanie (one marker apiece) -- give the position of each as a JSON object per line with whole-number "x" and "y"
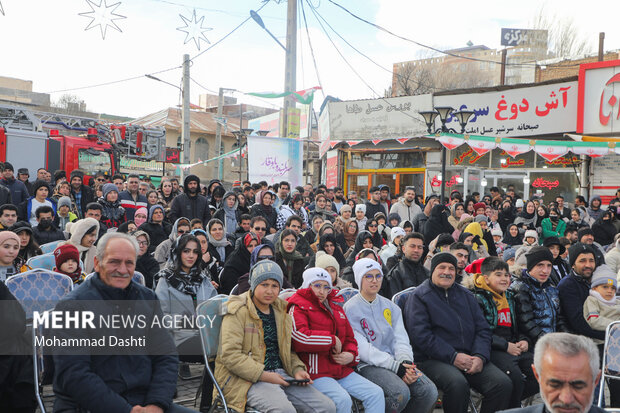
{"x": 538, "y": 254}
{"x": 584, "y": 231}
{"x": 8, "y": 167}
{"x": 39, "y": 183}
{"x": 443, "y": 257}
{"x": 578, "y": 249}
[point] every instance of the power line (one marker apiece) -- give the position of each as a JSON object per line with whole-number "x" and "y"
{"x": 316, "y": 69}
{"x": 189, "y": 6}
{"x": 236, "y": 90}
{"x": 376, "y": 26}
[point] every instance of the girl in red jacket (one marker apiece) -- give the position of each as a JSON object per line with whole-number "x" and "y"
{"x": 324, "y": 340}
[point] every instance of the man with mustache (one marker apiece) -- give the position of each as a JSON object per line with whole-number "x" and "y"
{"x": 566, "y": 367}
{"x": 451, "y": 340}
{"x": 190, "y": 204}
{"x": 131, "y": 379}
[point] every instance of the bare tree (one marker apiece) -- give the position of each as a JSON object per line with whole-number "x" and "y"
{"x": 70, "y": 104}
{"x": 413, "y": 80}
{"x": 564, "y": 39}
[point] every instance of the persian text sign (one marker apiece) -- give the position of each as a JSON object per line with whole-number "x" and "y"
{"x": 599, "y": 97}
{"x": 331, "y": 169}
{"x": 517, "y": 37}
{"x": 379, "y": 118}
{"x": 517, "y": 112}
{"x": 275, "y": 160}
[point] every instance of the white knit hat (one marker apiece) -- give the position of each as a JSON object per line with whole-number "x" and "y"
{"x": 315, "y": 274}
{"x": 361, "y": 268}
{"x": 397, "y": 231}
{"x": 360, "y": 207}
{"x": 531, "y": 233}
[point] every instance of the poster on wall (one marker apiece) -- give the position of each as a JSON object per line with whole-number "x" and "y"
{"x": 331, "y": 169}
{"x": 275, "y": 159}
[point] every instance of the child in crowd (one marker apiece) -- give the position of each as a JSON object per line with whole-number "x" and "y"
{"x": 9, "y": 248}
{"x": 324, "y": 340}
{"x": 255, "y": 359}
{"x": 68, "y": 262}
{"x": 63, "y": 213}
{"x": 602, "y": 308}
{"x": 509, "y": 348}
{"x": 386, "y": 357}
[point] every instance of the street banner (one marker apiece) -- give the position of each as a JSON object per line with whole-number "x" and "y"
{"x": 275, "y": 159}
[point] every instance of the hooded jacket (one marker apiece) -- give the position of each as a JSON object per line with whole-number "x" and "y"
{"x": 241, "y": 356}
{"x": 406, "y": 212}
{"x": 77, "y": 230}
{"x": 595, "y": 213}
{"x": 113, "y": 213}
{"x": 162, "y": 251}
{"x": 437, "y": 224}
{"x": 315, "y": 329}
{"x": 158, "y": 233}
{"x": 229, "y": 227}
{"x": 190, "y": 206}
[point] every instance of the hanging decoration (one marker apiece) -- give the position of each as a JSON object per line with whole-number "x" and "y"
{"x": 450, "y": 141}
{"x": 481, "y": 146}
{"x": 376, "y": 141}
{"x": 193, "y": 29}
{"x": 514, "y": 147}
{"x": 304, "y": 97}
{"x": 549, "y": 151}
{"x": 103, "y": 16}
{"x": 402, "y": 140}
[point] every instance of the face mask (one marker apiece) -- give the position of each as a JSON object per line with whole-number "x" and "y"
{"x": 554, "y": 217}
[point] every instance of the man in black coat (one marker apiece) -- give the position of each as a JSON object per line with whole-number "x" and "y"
{"x": 130, "y": 379}
{"x": 19, "y": 192}
{"x": 563, "y": 370}
{"x": 190, "y": 204}
{"x": 46, "y": 231}
{"x": 410, "y": 271}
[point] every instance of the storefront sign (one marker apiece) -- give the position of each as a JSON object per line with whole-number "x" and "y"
{"x": 516, "y": 37}
{"x": 517, "y": 112}
{"x": 379, "y": 118}
{"x": 544, "y": 183}
{"x": 599, "y": 97}
{"x": 324, "y": 136}
{"x": 331, "y": 169}
{"x": 436, "y": 182}
{"x": 469, "y": 156}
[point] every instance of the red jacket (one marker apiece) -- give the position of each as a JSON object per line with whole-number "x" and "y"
{"x": 314, "y": 334}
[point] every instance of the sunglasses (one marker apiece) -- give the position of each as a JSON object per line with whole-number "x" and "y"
{"x": 372, "y": 226}
{"x": 265, "y": 257}
{"x": 181, "y": 232}
{"x": 260, "y": 229}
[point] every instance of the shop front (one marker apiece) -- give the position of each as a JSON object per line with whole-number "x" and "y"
{"x": 529, "y": 174}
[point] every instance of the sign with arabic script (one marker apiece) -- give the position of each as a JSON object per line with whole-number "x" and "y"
{"x": 378, "y": 118}
{"x": 275, "y": 160}
{"x": 516, "y": 112}
{"x": 599, "y": 98}
{"x": 518, "y": 37}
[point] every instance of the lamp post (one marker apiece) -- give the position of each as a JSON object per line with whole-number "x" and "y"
{"x": 444, "y": 113}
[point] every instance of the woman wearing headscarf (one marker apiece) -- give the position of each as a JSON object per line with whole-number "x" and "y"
{"x": 28, "y": 246}
{"x": 327, "y": 227}
{"x": 329, "y": 246}
{"x": 228, "y": 213}
{"x": 506, "y": 215}
{"x": 456, "y": 211}
{"x": 464, "y": 221}
{"x": 437, "y": 224}
{"x": 577, "y": 219}
{"x": 526, "y": 219}
{"x": 347, "y": 238}
{"x": 209, "y": 263}
{"x": 219, "y": 245}
{"x": 141, "y": 216}
{"x": 512, "y": 236}
{"x": 372, "y": 226}
{"x": 479, "y": 245}
{"x": 146, "y": 264}
{"x": 239, "y": 262}
{"x": 552, "y": 226}
{"x": 243, "y": 205}
{"x": 541, "y": 213}
{"x": 321, "y": 208}
{"x": 156, "y": 226}
{"x": 263, "y": 208}
{"x": 294, "y": 207}
{"x": 166, "y": 195}
{"x": 289, "y": 259}
{"x": 363, "y": 241}
{"x": 604, "y": 229}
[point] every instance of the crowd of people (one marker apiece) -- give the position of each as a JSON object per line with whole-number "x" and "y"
{"x": 493, "y": 274}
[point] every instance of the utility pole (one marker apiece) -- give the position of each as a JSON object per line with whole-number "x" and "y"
{"x": 185, "y": 128}
{"x": 290, "y": 69}
{"x": 502, "y": 80}
{"x": 218, "y": 134}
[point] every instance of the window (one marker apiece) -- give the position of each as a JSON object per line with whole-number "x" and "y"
{"x": 202, "y": 150}
{"x": 92, "y": 161}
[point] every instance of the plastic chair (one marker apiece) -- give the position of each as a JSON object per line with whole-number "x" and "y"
{"x": 212, "y": 312}
{"x": 45, "y": 261}
{"x": 286, "y": 293}
{"x": 234, "y": 290}
{"x": 346, "y": 294}
{"x": 39, "y": 289}
{"x": 611, "y": 361}
{"x": 400, "y": 298}
{"x": 50, "y": 246}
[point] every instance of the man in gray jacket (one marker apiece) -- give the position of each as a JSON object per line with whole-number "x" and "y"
{"x": 406, "y": 208}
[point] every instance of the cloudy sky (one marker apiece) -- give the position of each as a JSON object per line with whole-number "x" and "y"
{"x": 45, "y": 41}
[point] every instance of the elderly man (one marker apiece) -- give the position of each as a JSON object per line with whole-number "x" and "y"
{"x": 451, "y": 340}
{"x": 566, "y": 367}
{"x": 124, "y": 379}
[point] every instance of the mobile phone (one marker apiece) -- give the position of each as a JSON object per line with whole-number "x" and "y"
{"x": 296, "y": 382}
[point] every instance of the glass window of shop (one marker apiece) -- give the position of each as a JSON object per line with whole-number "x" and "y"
{"x": 549, "y": 184}
{"x": 386, "y": 160}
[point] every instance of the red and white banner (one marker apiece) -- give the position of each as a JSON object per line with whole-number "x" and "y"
{"x": 451, "y": 142}
{"x": 481, "y": 147}
{"x": 515, "y": 149}
{"x": 594, "y": 152}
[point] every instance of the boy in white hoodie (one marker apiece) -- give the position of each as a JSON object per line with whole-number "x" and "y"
{"x": 602, "y": 308}
{"x": 383, "y": 344}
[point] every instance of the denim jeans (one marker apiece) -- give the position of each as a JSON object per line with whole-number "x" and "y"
{"x": 418, "y": 397}
{"x": 341, "y": 390}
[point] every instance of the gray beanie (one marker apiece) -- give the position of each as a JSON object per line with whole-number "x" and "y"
{"x": 604, "y": 275}
{"x": 107, "y": 188}
{"x": 265, "y": 270}
{"x": 508, "y": 254}
{"x": 64, "y": 201}
{"x": 481, "y": 218}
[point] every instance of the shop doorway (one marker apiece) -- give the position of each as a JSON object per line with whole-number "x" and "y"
{"x": 360, "y": 182}
{"x": 503, "y": 180}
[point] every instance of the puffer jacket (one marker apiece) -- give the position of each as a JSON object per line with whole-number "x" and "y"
{"x": 113, "y": 213}
{"x": 241, "y": 355}
{"x": 538, "y": 307}
{"x": 315, "y": 329}
{"x": 404, "y": 275}
{"x": 485, "y": 300}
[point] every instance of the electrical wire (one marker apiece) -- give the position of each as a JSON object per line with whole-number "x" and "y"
{"x": 189, "y": 6}
{"x": 236, "y": 90}
{"x": 376, "y": 26}
{"x": 316, "y": 69}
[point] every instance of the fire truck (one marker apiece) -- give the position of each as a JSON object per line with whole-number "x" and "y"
{"x": 33, "y": 139}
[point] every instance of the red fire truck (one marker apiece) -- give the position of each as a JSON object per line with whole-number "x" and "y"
{"x": 32, "y": 139}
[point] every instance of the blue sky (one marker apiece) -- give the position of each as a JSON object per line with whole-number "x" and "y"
{"x": 48, "y": 44}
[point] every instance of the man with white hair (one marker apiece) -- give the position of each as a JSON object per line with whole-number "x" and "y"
{"x": 566, "y": 367}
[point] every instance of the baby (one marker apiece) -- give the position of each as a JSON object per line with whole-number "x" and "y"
{"x": 601, "y": 307}
{"x": 68, "y": 262}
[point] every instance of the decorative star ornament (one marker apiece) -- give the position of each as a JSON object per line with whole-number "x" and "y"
{"x": 103, "y": 16}
{"x": 193, "y": 29}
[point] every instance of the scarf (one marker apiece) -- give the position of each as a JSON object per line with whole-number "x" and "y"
{"x": 348, "y": 237}
{"x": 510, "y": 240}
{"x": 186, "y": 283}
{"x": 230, "y": 215}
{"x": 289, "y": 259}
{"x": 501, "y": 302}
{"x": 599, "y": 297}
{"x": 220, "y": 246}
{"x": 325, "y": 213}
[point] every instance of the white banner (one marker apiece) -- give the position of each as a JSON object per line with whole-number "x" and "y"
{"x": 599, "y": 103}
{"x": 275, "y": 159}
{"x": 379, "y": 118}
{"x": 527, "y": 111}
